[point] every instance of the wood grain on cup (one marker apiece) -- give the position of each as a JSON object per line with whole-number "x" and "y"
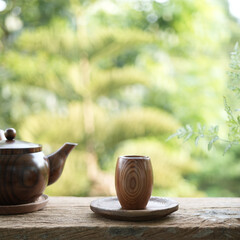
{"x": 133, "y": 181}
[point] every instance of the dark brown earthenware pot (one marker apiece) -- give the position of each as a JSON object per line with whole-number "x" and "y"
{"x": 25, "y": 171}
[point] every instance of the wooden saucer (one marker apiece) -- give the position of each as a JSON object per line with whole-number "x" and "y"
{"x": 157, "y": 207}
{"x": 24, "y": 208}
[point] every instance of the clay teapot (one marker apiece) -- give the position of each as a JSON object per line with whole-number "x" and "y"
{"x": 25, "y": 171}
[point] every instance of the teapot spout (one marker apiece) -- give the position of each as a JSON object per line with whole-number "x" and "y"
{"x": 57, "y": 161}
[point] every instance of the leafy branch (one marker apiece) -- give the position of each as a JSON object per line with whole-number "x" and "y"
{"x": 211, "y": 134}
{"x": 233, "y": 123}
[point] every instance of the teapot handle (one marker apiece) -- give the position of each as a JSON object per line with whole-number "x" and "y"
{"x": 2, "y": 135}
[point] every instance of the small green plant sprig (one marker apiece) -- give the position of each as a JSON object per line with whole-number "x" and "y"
{"x": 233, "y": 122}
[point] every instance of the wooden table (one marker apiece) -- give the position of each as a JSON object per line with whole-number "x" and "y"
{"x": 70, "y": 218}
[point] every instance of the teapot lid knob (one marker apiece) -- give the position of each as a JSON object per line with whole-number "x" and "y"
{"x": 10, "y": 133}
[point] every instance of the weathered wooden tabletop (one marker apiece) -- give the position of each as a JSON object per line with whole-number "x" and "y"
{"x": 71, "y": 218}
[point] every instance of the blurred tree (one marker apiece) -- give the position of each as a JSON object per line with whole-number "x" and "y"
{"x": 20, "y": 98}
{"x": 86, "y": 83}
{"x": 113, "y": 77}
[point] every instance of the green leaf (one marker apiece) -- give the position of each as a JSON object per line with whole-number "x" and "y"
{"x": 216, "y": 128}
{"x": 199, "y": 127}
{"x": 188, "y": 136}
{"x": 236, "y": 46}
{"x": 238, "y": 119}
{"x": 182, "y": 132}
{"x": 210, "y": 144}
{"x": 198, "y": 138}
{"x": 228, "y": 110}
{"x": 189, "y": 128}
{"x": 172, "y": 136}
{"x": 227, "y": 148}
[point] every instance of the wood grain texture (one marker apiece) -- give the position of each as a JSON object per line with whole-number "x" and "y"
{"x": 156, "y": 208}
{"x": 40, "y": 203}
{"x": 10, "y": 146}
{"x": 23, "y": 178}
{"x": 57, "y": 161}
{"x": 71, "y": 218}
{"x": 133, "y": 181}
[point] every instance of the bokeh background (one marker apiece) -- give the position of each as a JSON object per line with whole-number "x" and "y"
{"x": 119, "y": 77}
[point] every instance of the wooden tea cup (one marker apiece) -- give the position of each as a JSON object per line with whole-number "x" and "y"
{"x": 133, "y": 181}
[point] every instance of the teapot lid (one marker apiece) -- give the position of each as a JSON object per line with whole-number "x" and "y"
{"x": 10, "y": 146}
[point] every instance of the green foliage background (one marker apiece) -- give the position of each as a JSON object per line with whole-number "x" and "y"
{"x": 119, "y": 77}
